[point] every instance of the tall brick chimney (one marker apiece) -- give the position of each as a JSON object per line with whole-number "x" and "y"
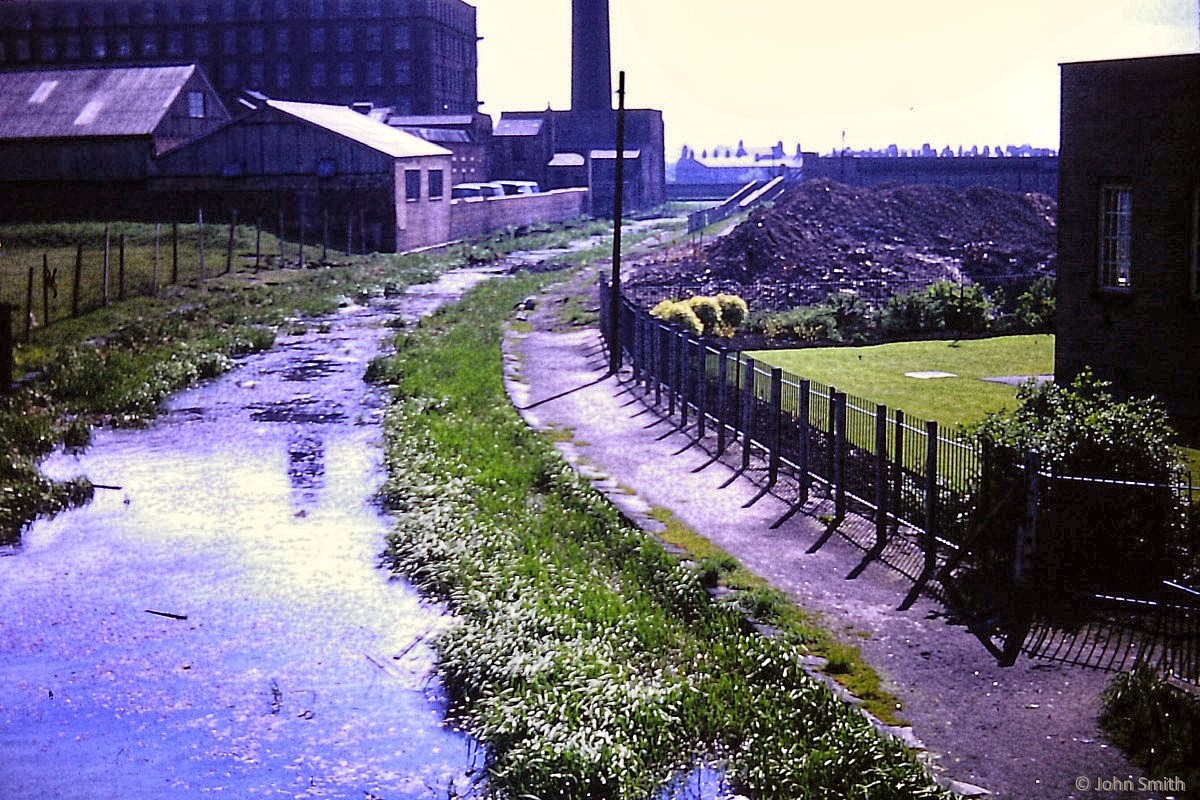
{"x": 591, "y": 56}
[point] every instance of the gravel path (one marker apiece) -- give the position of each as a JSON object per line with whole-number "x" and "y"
{"x": 1027, "y": 732}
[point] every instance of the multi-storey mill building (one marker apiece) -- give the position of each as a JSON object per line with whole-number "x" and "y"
{"x": 417, "y": 56}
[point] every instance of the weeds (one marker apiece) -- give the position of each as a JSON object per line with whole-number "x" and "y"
{"x": 588, "y": 659}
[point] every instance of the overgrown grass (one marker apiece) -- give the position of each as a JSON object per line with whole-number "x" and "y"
{"x": 754, "y": 596}
{"x": 587, "y": 658}
{"x": 879, "y": 373}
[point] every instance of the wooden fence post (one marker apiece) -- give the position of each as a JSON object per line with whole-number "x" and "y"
{"x": 107, "y": 263}
{"x": 203, "y": 270}
{"x": 29, "y": 305}
{"x": 229, "y": 248}
{"x": 121, "y": 268}
{"x": 47, "y": 280}
{"x": 257, "y": 244}
{"x": 776, "y": 456}
{"x": 839, "y": 450}
{"x": 748, "y": 400}
{"x": 157, "y": 238}
{"x": 805, "y": 436}
{"x": 6, "y": 347}
{"x": 659, "y": 334}
{"x": 325, "y": 238}
{"x": 174, "y": 253}
{"x": 77, "y": 282}
{"x": 280, "y": 235}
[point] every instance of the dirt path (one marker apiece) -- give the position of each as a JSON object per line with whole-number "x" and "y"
{"x": 1026, "y": 732}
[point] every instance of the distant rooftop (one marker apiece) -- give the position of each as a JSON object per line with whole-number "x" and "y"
{"x": 519, "y": 127}
{"x": 347, "y": 122}
{"x": 112, "y": 101}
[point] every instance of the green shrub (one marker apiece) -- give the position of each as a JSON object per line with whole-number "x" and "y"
{"x": 734, "y": 310}
{"x": 1036, "y": 306}
{"x": 943, "y": 307}
{"x": 1157, "y": 724}
{"x": 708, "y": 311}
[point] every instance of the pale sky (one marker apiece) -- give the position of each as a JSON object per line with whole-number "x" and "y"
{"x": 946, "y": 72}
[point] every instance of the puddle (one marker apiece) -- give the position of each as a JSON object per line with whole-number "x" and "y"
{"x": 219, "y": 625}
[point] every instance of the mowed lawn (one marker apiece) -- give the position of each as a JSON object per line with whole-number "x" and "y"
{"x": 878, "y": 373}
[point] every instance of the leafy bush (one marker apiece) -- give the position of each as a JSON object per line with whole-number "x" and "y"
{"x": 678, "y": 313}
{"x": 1088, "y": 533}
{"x": 734, "y": 310}
{"x": 1036, "y": 306}
{"x": 707, "y": 310}
{"x": 1157, "y": 724}
{"x": 942, "y": 307}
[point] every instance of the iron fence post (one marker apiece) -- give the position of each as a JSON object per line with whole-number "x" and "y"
{"x": 722, "y": 398}
{"x": 1026, "y": 545}
{"x": 701, "y": 385}
{"x": 898, "y": 473}
{"x": 659, "y": 347}
{"x": 685, "y": 373}
{"x": 747, "y": 411}
{"x": 776, "y": 426}
{"x": 839, "y": 449}
{"x": 805, "y": 434}
{"x": 881, "y": 474}
{"x": 931, "y": 490}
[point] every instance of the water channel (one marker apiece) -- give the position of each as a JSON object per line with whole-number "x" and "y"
{"x": 220, "y": 625}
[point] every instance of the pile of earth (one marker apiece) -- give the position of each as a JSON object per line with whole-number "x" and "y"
{"x": 823, "y": 237}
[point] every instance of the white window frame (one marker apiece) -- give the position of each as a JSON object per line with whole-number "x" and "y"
{"x": 1115, "y": 239}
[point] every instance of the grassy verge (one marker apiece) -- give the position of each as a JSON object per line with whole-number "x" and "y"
{"x": 588, "y": 659}
{"x": 116, "y": 365}
{"x": 878, "y": 373}
{"x": 1156, "y": 724}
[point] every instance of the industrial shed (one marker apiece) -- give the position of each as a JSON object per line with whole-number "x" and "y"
{"x": 320, "y": 170}
{"x": 78, "y": 142}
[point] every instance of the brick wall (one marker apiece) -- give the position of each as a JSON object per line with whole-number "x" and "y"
{"x": 469, "y": 218}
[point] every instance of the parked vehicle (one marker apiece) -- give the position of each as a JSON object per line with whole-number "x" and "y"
{"x": 475, "y": 191}
{"x": 519, "y": 187}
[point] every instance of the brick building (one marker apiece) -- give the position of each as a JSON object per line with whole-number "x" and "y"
{"x": 417, "y": 56}
{"x": 1129, "y": 225}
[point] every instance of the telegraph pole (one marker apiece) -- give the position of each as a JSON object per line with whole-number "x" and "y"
{"x": 614, "y": 338}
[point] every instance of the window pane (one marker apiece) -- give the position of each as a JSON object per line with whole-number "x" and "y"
{"x": 435, "y": 184}
{"x": 1116, "y": 236}
{"x": 196, "y": 105}
{"x": 412, "y": 185}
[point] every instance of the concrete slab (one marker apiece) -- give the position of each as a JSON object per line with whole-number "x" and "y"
{"x": 931, "y": 375}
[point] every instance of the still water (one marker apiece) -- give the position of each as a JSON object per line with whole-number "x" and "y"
{"x": 220, "y": 624}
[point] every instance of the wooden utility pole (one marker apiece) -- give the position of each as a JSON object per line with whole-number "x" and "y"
{"x": 614, "y": 338}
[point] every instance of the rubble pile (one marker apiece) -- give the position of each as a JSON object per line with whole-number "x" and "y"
{"x": 823, "y": 237}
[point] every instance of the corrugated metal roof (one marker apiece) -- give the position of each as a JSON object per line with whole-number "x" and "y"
{"x": 519, "y": 127}
{"x": 347, "y": 122}
{"x": 612, "y": 154}
{"x": 121, "y": 101}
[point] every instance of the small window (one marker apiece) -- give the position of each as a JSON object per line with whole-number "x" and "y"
{"x": 230, "y": 77}
{"x": 373, "y": 39}
{"x": 49, "y": 49}
{"x": 435, "y": 184}
{"x": 282, "y": 10}
{"x": 99, "y": 48}
{"x": 412, "y": 185}
{"x": 196, "y": 105}
{"x": 175, "y": 43}
{"x": 283, "y": 40}
{"x": 346, "y": 74}
{"x": 124, "y": 46}
{"x": 150, "y": 45}
{"x": 283, "y": 74}
{"x": 326, "y": 168}
{"x": 403, "y": 73}
{"x": 1116, "y": 236}
{"x": 230, "y": 41}
{"x": 256, "y": 41}
{"x": 73, "y": 50}
{"x": 345, "y": 39}
{"x": 23, "y": 53}
{"x": 201, "y": 43}
{"x": 316, "y": 75}
{"x": 316, "y": 40}
{"x": 403, "y": 37}
{"x": 374, "y": 73}
{"x": 316, "y": 8}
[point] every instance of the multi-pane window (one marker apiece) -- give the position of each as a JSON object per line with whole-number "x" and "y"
{"x": 345, "y": 39}
{"x": 73, "y": 48}
{"x": 257, "y": 75}
{"x": 1116, "y": 236}
{"x": 403, "y": 73}
{"x": 373, "y": 8}
{"x": 23, "y": 53}
{"x": 316, "y": 8}
{"x": 230, "y": 41}
{"x": 124, "y": 45}
{"x": 345, "y": 7}
{"x": 229, "y": 76}
{"x": 436, "y": 188}
{"x": 316, "y": 75}
{"x": 146, "y": 14}
{"x": 283, "y": 74}
{"x": 412, "y": 185}
{"x": 374, "y": 73}
{"x": 346, "y": 74}
{"x": 283, "y": 40}
{"x": 281, "y": 9}
{"x": 200, "y": 12}
{"x": 49, "y": 49}
{"x": 256, "y": 41}
{"x": 201, "y": 43}
{"x": 316, "y": 40}
{"x": 150, "y": 45}
{"x": 373, "y": 39}
{"x": 99, "y": 46}
{"x": 174, "y": 43}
